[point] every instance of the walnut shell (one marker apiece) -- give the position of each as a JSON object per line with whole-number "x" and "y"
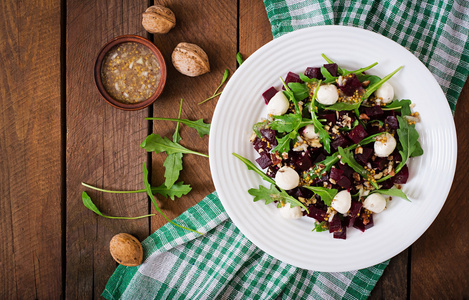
{"x": 158, "y": 19}
{"x": 126, "y": 250}
{"x": 190, "y": 59}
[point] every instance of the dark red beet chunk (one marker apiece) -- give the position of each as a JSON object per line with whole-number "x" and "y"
{"x": 319, "y": 158}
{"x": 260, "y": 144}
{"x": 302, "y": 161}
{"x": 292, "y": 77}
{"x": 364, "y": 158}
{"x": 357, "y": 134}
{"x": 351, "y": 85}
{"x": 264, "y": 160}
{"x": 335, "y": 224}
{"x": 387, "y": 184}
{"x": 267, "y": 95}
{"x": 374, "y": 112}
{"x": 330, "y": 118}
{"x": 336, "y": 174}
{"x": 359, "y": 223}
{"x": 269, "y": 135}
{"x": 344, "y": 183}
{"x": 314, "y": 73}
{"x": 379, "y": 163}
{"x": 333, "y": 69}
{"x": 316, "y": 213}
{"x": 348, "y": 172}
{"x": 402, "y": 176}
{"x": 340, "y": 141}
{"x": 391, "y": 121}
{"x": 272, "y": 171}
{"x": 341, "y": 234}
{"x": 355, "y": 209}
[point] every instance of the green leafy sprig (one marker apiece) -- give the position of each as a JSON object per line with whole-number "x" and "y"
{"x": 158, "y": 144}
{"x": 226, "y": 74}
{"x": 392, "y": 192}
{"x": 326, "y": 194}
{"x": 239, "y": 58}
{"x": 199, "y": 125}
{"x": 346, "y": 156}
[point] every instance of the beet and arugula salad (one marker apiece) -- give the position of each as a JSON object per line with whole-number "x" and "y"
{"x": 334, "y": 146}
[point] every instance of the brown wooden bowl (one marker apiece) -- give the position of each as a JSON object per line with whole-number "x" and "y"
{"x": 99, "y": 63}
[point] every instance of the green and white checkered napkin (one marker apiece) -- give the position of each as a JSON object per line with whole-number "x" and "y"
{"x": 223, "y": 263}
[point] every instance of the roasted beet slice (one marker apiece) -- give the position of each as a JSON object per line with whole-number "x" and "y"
{"x": 364, "y": 157}
{"x": 267, "y": 95}
{"x": 340, "y": 141}
{"x": 374, "y": 112}
{"x": 314, "y": 73}
{"x": 301, "y": 161}
{"x": 355, "y": 209}
{"x": 269, "y": 135}
{"x": 402, "y": 176}
{"x": 335, "y": 224}
{"x": 344, "y": 183}
{"x": 350, "y": 84}
{"x": 379, "y": 163}
{"x": 387, "y": 184}
{"x": 336, "y": 174}
{"x": 264, "y": 160}
{"x": 391, "y": 121}
{"x": 316, "y": 213}
{"x": 333, "y": 69}
{"x": 329, "y": 117}
{"x": 359, "y": 223}
{"x": 357, "y": 134}
{"x": 319, "y": 158}
{"x": 272, "y": 171}
{"x": 292, "y": 77}
{"x": 341, "y": 234}
{"x": 259, "y": 144}
{"x": 348, "y": 172}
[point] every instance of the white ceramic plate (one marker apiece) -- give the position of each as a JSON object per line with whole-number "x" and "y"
{"x": 292, "y": 241}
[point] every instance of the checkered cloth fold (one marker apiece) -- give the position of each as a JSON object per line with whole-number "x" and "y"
{"x": 223, "y": 263}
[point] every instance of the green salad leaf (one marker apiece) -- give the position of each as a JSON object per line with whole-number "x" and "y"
{"x": 346, "y": 156}
{"x": 199, "y": 125}
{"x": 273, "y": 194}
{"x": 392, "y": 192}
{"x": 320, "y": 227}
{"x": 326, "y": 194}
{"x": 158, "y": 144}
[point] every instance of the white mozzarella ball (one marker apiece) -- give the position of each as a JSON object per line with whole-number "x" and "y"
{"x": 375, "y": 203}
{"x": 309, "y": 132}
{"x": 342, "y": 202}
{"x": 278, "y": 105}
{"x": 385, "y": 92}
{"x": 287, "y": 178}
{"x": 289, "y": 212}
{"x": 385, "y": 145}
{"x": 327, "y": 94}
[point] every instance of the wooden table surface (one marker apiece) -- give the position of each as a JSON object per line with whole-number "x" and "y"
{"x": 57, "y": 132}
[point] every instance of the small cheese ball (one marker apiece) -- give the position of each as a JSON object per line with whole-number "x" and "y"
{"x": 375, "y": 203}
{"x": 385, "y": 145}
{"x": 342, "y": 202}
{"x": 327, "y": 94}
{"x": 278, "y": 105}
{"x": 289, "y": 212}
{"x": 287, "y": 178}
{"x": 309, "y": 132}
{"x": 385, "y": 93}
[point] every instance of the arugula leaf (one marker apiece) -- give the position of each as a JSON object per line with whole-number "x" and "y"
{"x": 307, "y": 79}
{"x": 324, "y": 136}
{"x": 273, "y": 194}
{"x": 400, "y": 105}
{"x": 154, "y": 142}
{"x": 239, "y": 58}
{"x": 223, "y": 80}
{"x": 327, "y": 163}
{"x": 91, "y": 206}
{"x": 417, "y": 151}
{"x": 347, "y": 158}
{"x": 178, "y": 190}
{"x": 152, "y": 198}
{"x": 371, "y": 78}
{"x": 252, "y": 167}
{"x": 299, "y": 90}
{"x": 328, "y": 77}
{"x": 344, "y": 72}
{"x": 408, "y": 137}
{"x": 320, "y": 227}
{"x": 258, "y": 126}
{"x": 326, "y": 194}
{"x": 286, "y": 123}
{"x": 340, "y": 106}
{"x": 284, "y": 142}
{"x": 173, "y": 166}
{"x": 372, "y": 88}
{"x": 199, "y": 125}
{"x": 392, "y": 192}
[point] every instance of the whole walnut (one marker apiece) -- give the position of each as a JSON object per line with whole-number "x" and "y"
{"x": 190, "y": 59}
{"x": 158, "y": 19}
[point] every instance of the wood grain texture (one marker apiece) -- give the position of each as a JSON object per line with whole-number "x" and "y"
{"x": 440, "y": 258}
{"x": 30, "y": 147}
{"x": 213, "y": 28}
{"x": 102, "y": 147}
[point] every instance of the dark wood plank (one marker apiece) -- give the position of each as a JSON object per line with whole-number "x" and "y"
{"x": 30, "y": 147}
{"x": 102, "y": 147}
{"x": 393, "y": 283}
{"x": 440, "y": 258}
{"x": 212, "y": 26}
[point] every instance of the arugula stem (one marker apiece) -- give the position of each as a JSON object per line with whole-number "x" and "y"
{"x": 111, "y": 191}
{"x": 371, "y": 89}
{"x": 211, "y": 97}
